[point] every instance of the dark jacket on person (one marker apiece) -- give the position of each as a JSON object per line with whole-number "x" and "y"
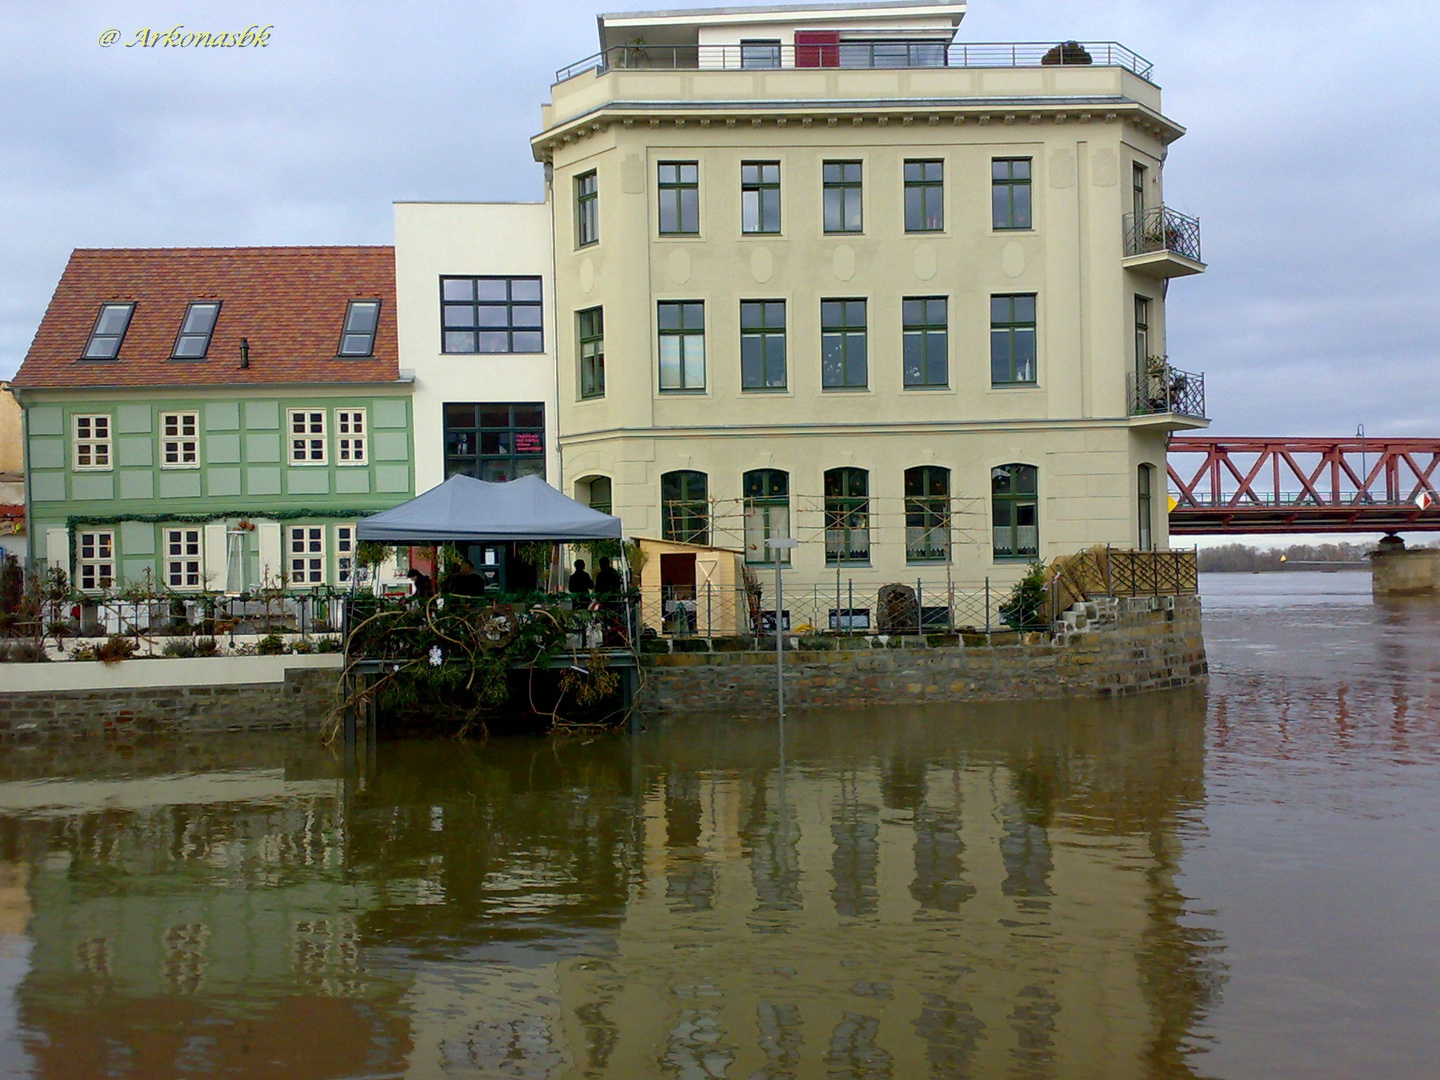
{"x": 608, "y": 580}
{"x": 580, "y": 582}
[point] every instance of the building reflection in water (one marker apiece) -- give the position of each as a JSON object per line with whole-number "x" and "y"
{"x": 943, "y": 893}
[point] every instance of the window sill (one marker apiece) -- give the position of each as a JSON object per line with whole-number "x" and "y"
{"x": 934, "y": 388}
{"x": 783, "y": 391}
{"x": 1016, "y": 560}
{"x": 180, "y": 468}
{"x": 1012, "y": 228}
{"x": 679, "y": 236}
{"x": 683, "y": 391}
{"x": 98, "y": 360}
{"x": 941, "y": 561}
{"x": 847, "y": 232}
{"x": 482, "y": 352}
{"x": 866, "y": 565}
{"x": 351, "y": 464}
{"x": 587, "y": 245}
{"x": 92, "y": 468}
{"x": 585, "y": 398}
{"x": 1014, "y": 386}
{"x": 926, "y": 232}
{"x": 762, "y": 236}
{"x": 308, "y": 464}
{"x": 845, "y": 389}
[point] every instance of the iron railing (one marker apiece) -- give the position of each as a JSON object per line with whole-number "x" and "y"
{"x": 861, "y": 54}
{"x": 1165, "y": 389}
{"x": 1162, "y": 229}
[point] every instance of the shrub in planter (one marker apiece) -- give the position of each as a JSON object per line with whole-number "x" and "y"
{"x": 181, "y": 647}
{"x": 22, "y": 652}
{"x": 329, "y": 645}
{"x": 1025, "y": 607}
{"x": 92, "y": 629}
{"x": 207, "y": 646}
{"x": 270, "y": 645}
{"x": 116, "y": 648}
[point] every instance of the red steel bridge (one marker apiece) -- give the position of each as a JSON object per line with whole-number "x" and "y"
{"x": 1359, "y": 484}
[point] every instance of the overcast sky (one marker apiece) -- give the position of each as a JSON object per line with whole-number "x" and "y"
{"x": 1312, "y": 160}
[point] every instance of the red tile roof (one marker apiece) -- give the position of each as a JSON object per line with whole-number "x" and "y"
{"x": 288, "y": 302}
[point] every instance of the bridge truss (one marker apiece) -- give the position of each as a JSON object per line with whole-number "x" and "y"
{"x": 1358, "y": 484}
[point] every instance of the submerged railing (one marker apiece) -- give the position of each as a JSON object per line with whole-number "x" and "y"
{"x": 755, "y": 56}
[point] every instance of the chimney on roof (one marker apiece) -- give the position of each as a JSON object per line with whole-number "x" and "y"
{"x": 244, "y": 352}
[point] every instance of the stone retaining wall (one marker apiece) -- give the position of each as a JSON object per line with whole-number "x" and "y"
{"x": 293, "y": 696}
{"x": 1147, "y": 644}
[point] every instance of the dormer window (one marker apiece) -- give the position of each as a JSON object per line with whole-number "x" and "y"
{"x": 109, "y": 331}
{"x": 362, "y": 317}
{"x": 194, "y": 339}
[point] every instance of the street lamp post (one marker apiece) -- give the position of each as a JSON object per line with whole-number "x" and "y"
{"x": 777, "y": 545}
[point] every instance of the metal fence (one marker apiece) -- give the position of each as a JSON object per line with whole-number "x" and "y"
{"x": 1166, "y": 389}
{"x": 861, "y": 54}
{"x": 1162, "y": 229}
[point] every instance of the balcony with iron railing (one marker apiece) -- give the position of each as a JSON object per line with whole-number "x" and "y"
{"x": 1165, "y": 391}
{"x": 860, "y": 54}
{"x": 1163, "y": 243}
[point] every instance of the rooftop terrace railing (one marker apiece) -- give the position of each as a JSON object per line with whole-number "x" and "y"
{"x": 861, "y": 55}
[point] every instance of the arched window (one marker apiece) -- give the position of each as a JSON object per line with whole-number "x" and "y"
{"x": 1143, "y": 481}
{"x": 847, "y": 516}
{"x": 767, "y": 513}
{"x": 594, "y": 492}
{"x": 1015, "y": 511}
{"x": 685, "y": 507}
{"x": 927, "y": 514}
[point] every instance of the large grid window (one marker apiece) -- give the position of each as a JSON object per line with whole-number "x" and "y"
{"x": 760, "y": 53}
{"x": 767, "y": 514}
{"x": 95, "y": 560}
{"x": 760, "y": 197}
{"x": 926, "y": 340}
{"x": 491, "y": 315}
{"x": 350, "y": 437}
{"x": 924, "y": 196}
{"x": 679, "y": 187}
{"x": 1010, "y": 193}
{"x": 183, "y": 562}
{"x": 109, "y": 332}
{"x": 193, "y": 341}
{"x": 847, "y": 516}
{"x": 180, "y": 440}
{"x": 685, "y": 507}
{"x": 843, "y": 345}
{"x": 92, "y": 442}
{"x": 495, "y": 442}
{"x": 1012, "y": 340}
{"x": 1014, "y": 506}
{"x": 307, "y": 436}
{"x": 762, "y": 344}
{"x": 590, "y": 330}
{"x": 927, "y": 514}
{"x": 842, "y": 193}
{"x": 362, "y": 319}
{"x": 305, "y": 555}
{"x": 682, "y": 344}
{"x": 344, "y": 554}
{"x": 587, "y": 208}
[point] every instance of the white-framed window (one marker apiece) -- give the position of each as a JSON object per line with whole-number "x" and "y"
{"x": 344, "y": 554}
{"x": 307, "y": 436}
{"x": 180, "y": 440}
{"x": 350, "y": 437}
{"x": 305, "y": 554}
{"x": 95, "y": 565}
{"x": 183, "y": 561}
{"x": 92, "y": 442}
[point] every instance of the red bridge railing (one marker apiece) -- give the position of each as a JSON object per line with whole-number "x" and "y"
{"x": 1303, "y": 485}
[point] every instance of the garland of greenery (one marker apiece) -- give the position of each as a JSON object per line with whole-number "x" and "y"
{"x": 260, "y": 515}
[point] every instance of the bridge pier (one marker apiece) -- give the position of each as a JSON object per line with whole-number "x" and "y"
{"x": 1399, "y": 571}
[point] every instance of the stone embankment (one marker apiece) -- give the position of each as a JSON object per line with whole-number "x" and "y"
{"x": 169, "y": 696}
{"x": 1109, "y": 648}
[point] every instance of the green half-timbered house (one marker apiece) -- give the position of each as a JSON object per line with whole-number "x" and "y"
{"x": 214, "y": 418}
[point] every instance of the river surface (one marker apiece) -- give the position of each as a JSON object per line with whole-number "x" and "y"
{"x": 1241, "y": 881}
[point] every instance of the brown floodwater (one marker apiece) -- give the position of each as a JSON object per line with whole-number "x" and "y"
{"x": 1234, "y": 882}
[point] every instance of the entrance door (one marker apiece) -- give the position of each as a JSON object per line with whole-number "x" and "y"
{"x": 677, "y": 592}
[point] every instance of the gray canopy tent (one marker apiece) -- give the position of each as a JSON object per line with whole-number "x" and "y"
{"x": 465, "y": 510}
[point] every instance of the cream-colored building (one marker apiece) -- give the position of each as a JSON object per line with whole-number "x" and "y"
{"x": 824, "y": 271}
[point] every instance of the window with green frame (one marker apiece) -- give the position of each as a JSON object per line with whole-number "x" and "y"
{"x": 1014, "y": 507}
{"x": 927, "y": 514}
{"x": 926, "y": 345}
{"x": 843, "y": 345}
{"x": 759, "y": 196}
{"x": 1010, "y": 193}
{"x": 685, "y": 507}
{"x": 681, "y": 344}
{"x": 924, "y": 196}
{"x": 842, "y": 191}
{"x": 762, "y": 344}
{"x": 590, "y": 332}
{"x": 679, "y": 188}
{"x": 587, "y": 208}
{"x": 1012, "y": 340}
{"x": 847, "y": 516}
{"x": 767, "y": 514}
